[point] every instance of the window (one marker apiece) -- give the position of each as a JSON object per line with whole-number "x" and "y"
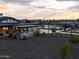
{"x": 5, "y": 28}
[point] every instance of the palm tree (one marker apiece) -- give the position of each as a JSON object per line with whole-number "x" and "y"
{"x": 64, "y": 50}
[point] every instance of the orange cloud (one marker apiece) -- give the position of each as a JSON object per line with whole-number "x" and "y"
{"x": 74, "y": 15}
{"x": 3, "y": 6}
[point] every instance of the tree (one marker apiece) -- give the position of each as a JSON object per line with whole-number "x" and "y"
{"x": 54, "y": 30}
{"x": 65, "y": 26}
{"x": 38, "y": 33}
{"x": 64, "y": 50}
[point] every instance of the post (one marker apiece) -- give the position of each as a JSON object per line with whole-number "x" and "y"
{"x": 48, "y": 28}
{"x": 65, "y": 26}
{"x": 71, "y": 32}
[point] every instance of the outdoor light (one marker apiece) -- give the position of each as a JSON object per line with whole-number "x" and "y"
{"x": 5, "y": 28}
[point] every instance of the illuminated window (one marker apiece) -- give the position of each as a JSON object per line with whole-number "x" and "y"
{"x": 14, "y": 28}
{"x": 5, "y": 28}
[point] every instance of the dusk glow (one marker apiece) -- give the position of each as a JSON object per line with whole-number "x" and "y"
{"x": 47, "y": 9}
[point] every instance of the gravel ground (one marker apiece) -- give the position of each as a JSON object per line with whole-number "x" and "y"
{"x": 45, "y": 47}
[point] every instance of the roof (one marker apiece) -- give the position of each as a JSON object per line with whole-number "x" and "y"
{"x": 27, "y": 26}
{"x": 6, "y": 17}
{"x": 8, "y": 24}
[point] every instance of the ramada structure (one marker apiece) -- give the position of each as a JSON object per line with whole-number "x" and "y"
{"x": 12, "y": 25}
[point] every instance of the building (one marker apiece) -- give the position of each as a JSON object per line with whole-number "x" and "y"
{"x": 8, "y": 24}
{"x": 12, "y": 25}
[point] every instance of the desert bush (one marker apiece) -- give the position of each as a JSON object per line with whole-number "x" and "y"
{"x": 64, "y": 50}
{"x": 74, "y": 39}
{"x": 53, "y": 30}
{"x": 37, "y": 33}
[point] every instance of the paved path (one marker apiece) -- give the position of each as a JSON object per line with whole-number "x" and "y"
{"x": 6, "y": 35}
{"x": 60, "y": 31}
{"x": 33, "y": 48}
{"x": 45, "y": 47}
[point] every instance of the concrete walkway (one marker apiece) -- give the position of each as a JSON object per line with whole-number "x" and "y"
{"x": 60, "y": 31}
{"x": 6, "y": 35}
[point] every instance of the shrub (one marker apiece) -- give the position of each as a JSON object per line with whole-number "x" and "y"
{"x": 74, "y": 39}
{"x": 64, "y": 50}
{"x": 53, "y": 30}
{"x": 37, "y": 33}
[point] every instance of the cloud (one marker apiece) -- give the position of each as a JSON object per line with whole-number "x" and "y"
{"x": 68, "y": 0}
{"x": 38, "y": 8}
{"x": 18, "y": 1}
{"x": 41, "y": 7}
{"x": 53, "y": 4}
{"x": 3, "y": 6}
{"x": 74, "y": 8}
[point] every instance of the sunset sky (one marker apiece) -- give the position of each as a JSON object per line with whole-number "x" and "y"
{"x": 48, "y": 9}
